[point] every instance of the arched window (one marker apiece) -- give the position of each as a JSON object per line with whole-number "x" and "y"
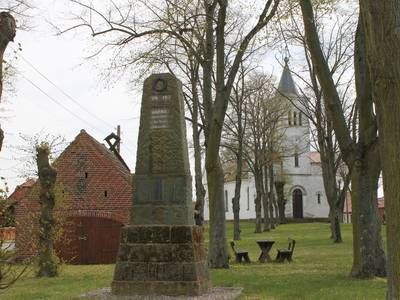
{"x": 300, "y": 120}
{"x": 290, "y": 118}
{"x": 294, "y": 118}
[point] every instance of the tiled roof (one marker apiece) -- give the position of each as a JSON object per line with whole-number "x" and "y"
{"x": 84, "y": 138}
{"x": 21, "y": 190}
{"x": 315, "y": 157}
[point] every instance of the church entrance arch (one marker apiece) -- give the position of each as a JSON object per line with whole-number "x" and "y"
{"x": 297, "y": 199}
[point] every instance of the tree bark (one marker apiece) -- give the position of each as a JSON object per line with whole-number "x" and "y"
{"x": 7, "y": 34}
{"x": 200, "y": 190}
{"x": 271, "y": 195}
{"x": 279, "y": 185}
{"x": 47, "y": 179}
{"x": 266, "y": 201}
{"x": 381, "y": 20}
{"x": 236, "y": 198}
{"x": 258, "y": 201}
{"x": 360, "y": 156}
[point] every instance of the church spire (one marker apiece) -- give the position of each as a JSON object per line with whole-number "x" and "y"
{"x": 286, "y": 84}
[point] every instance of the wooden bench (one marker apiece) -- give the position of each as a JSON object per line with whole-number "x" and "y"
{"x": 241, "y": 255}
{"x": 286, "y": 253}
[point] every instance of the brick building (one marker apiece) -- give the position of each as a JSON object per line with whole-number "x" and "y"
{"x": 94, "y": 198}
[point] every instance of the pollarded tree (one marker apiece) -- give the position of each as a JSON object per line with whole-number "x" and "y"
{"x": 10, "y": 9}
{"x": 7, "y": 34}
{"x": 381, "y": 20}
{"x": 361, "y": 155}
{"x": 48, "y": 266}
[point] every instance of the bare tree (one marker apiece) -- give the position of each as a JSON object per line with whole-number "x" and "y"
{"x": 262, "y": 143}
{"x": 360, "y": 155}
{"x": 337, "y": 44}
{"x": 233, "y": 136}
{"x": 381, "y": 20}
{"x": 124, "y": 27}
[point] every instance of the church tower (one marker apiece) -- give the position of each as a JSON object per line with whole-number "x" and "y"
{"x": 296, "y": 136}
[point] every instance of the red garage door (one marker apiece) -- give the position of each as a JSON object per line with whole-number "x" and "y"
{"x": 89, "y": 240}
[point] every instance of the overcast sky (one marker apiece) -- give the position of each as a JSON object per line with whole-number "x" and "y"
{"x": 60, "y": 59}
{"x": 39, "y": 106}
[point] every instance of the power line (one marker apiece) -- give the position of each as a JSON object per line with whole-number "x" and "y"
{"x": 66, "y": 108}
{"x": 58, "y": 103}
{"x": 63, "y": 92}
{"x": 69, "y": 96}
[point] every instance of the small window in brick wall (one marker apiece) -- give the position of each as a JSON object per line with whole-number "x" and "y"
{"x": 105, "y": 194}
{"x": 86, "y": 174}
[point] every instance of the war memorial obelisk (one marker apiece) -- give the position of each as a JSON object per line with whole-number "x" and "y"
{"x": 161, "y": 252}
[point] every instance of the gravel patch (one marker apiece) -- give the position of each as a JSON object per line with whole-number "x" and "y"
{"x": 217, "y": 293}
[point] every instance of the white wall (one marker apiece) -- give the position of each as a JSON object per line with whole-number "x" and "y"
{"x": 307, "y": 177}
{"x": 247, "y": 207}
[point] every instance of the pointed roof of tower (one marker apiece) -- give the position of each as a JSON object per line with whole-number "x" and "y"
{"x": 286, "y": 84}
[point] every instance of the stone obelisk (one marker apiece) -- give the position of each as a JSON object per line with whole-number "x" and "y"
{"x": 161, "y": 252}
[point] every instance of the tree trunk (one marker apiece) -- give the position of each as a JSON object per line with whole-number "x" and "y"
{"x": 360, "y": 156}
{"x": 381, "y": 20}
{"x": 7, "y": 34}
{"x": 369, "y": 256}
{"x": 266, "y": 202}
{"x": 259, "y": 194}
{"x": 200, "y": 190}
{"x": 279, "y": 185}
{"x": 47, "y": 222}
{"x": 217, "y": 252}
{"x": 1, "y": 136}
{"x": 271, "y": 195}
{"x": 334, "y": 218}
{"x": 236, "y": 198}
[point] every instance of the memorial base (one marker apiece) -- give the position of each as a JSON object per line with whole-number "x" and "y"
{"x": 161, "y": 260}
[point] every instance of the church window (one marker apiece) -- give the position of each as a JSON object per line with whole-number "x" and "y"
{"x": 300, "y": 120}
{"x": 290, "y": 118}
{"x": 226, "y": 200}
{"x": 296, "y": 160}
{"x": 319, "y": 197}
{"x": 294, "y": 118}
{"x": 248, "y": 198}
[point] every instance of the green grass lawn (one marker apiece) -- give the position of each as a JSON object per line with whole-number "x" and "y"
{"x": 319, "y": 271}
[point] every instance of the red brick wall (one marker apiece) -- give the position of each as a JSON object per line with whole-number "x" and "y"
{"x": 90, "y": 182}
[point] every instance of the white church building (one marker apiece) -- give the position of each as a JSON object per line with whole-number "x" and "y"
{"x": 301, "y": 168}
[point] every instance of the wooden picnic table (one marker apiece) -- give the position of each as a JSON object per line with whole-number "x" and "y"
{"x": 265, "y": 246}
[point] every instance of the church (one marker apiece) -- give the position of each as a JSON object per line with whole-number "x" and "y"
{"x": 300, "y": 167}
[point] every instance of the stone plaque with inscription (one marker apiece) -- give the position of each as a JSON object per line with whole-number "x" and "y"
{"x": 161, "y": 252}
{"x": 162, "y": 178}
